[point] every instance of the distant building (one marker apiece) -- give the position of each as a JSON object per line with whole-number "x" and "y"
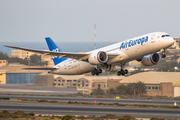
{"x": 16, "y": 75}
{"x": 21, "y": 54}
{"x": 25, "y": 54}
{"x": 176, "y": 44}
{"x": 84, "y": 84}
{"x": 3, "y": 63}
{"x": 2, "y": 77}
{"x": 48, "y": 58}
{"x": 157, "y": 83}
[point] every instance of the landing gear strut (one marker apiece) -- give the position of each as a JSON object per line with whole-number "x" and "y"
{"x": 122, "y": 71}
{"x": 163, "y": 55}
{"x": 96, "y": 72}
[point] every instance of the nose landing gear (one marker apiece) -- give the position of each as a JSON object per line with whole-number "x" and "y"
{"x": 163, "y": 55}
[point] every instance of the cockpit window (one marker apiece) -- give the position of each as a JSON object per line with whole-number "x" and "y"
{"x": 165, "y": 36}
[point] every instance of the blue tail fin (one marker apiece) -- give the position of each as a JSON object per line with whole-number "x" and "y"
{"x": 53, "y": 47}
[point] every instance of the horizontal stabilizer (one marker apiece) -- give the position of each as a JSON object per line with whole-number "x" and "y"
{"x": 40, "y": 68}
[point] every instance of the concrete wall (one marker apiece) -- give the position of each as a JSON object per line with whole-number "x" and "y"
{"x": 89, "y": 85}
{"x": 163, "y": 89}
{"x": 167, "y": 89}
{"x": 112, "y": 83}
{"x": 2, "y": 77}
{"x": 176, "y": 91}
{"x": 65, "y": 83}
{"x": 102, "y": 84}
{"x": 153, "y": 93}
{"x": 44, "y": 80}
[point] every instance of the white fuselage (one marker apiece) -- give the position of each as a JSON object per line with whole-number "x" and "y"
{"x": 127, "y": 50}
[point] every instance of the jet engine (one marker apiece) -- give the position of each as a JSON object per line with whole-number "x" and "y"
{"x": 98, "y": 58}
{"x": 151, "y": 59}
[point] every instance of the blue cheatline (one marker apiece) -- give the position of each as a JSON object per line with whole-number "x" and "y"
{"x": 53, "y": 47}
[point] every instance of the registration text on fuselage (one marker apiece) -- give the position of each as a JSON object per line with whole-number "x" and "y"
{"x": 131, "y": 43}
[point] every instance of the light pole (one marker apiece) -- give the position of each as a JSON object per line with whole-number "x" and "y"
{"x": 28, "y": 70}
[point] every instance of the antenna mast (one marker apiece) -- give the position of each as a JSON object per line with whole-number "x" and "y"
{"x": 94, "y": 36}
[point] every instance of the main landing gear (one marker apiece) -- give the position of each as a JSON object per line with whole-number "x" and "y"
{"x": 96, "y": 72}
{"x": 122, "y": 71}
{"x": 163, "y": 55}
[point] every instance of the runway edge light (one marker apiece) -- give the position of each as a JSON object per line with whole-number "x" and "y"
{"x": 117, "y": 97}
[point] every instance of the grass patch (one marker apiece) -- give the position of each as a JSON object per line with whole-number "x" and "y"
{"x": 31, "y": 116}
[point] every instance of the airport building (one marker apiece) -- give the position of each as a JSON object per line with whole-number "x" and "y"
{"x": 157, "y": 83}
{"x": 84, "y": 84}
{"x": 15, "y": 74}
{"x": 25, "y": 54}
{"x": 3, "y": 63}
{"x": 21, "y": 54}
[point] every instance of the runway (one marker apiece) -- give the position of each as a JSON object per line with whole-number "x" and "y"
{"x": 32, "y": 89}
{"x": 63, "y": 109}
{"x": 102, "y": 100}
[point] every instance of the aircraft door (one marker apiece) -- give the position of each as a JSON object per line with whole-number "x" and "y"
{"x": 153, "y": 37}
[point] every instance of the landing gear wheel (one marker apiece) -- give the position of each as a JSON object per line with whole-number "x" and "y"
{"x": 119, "y": 73}
{"x": 126, "y": 71}
{"x": 123, "y": 72}
{"x": 96, "y": 72}
{"x": 100, "y": 70}
{"x": 163, "y": 55}
{"x": 93, "y": 73}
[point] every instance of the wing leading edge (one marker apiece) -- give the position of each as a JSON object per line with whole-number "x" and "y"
{"x": 82, "y": 56}
{"x": 78, "y": 56}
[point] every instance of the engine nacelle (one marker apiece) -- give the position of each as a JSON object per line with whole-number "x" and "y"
{"x": 151, "y": 59}
{"x": 98, "y": 58}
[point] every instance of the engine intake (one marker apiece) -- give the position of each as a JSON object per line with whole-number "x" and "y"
{"x": 151, "y": 59}
{"x": 98, "y": 58}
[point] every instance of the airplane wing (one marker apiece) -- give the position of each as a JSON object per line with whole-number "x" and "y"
{"x": 40, "y": 68}
{"x": 78, "y": 56}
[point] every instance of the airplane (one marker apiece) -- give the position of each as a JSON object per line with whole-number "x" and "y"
{"x": 147, "y": 49}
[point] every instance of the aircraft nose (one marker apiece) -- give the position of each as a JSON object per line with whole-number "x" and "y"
{"x": 171, "y": 41}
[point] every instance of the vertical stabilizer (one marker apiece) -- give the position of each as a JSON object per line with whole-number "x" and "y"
{"x": 53, "y": 47}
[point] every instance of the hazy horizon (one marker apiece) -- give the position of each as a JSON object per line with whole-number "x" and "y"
{"x": 73, "y": 20}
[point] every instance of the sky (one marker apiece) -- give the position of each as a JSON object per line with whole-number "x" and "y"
{"x": 73, "y": 20}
